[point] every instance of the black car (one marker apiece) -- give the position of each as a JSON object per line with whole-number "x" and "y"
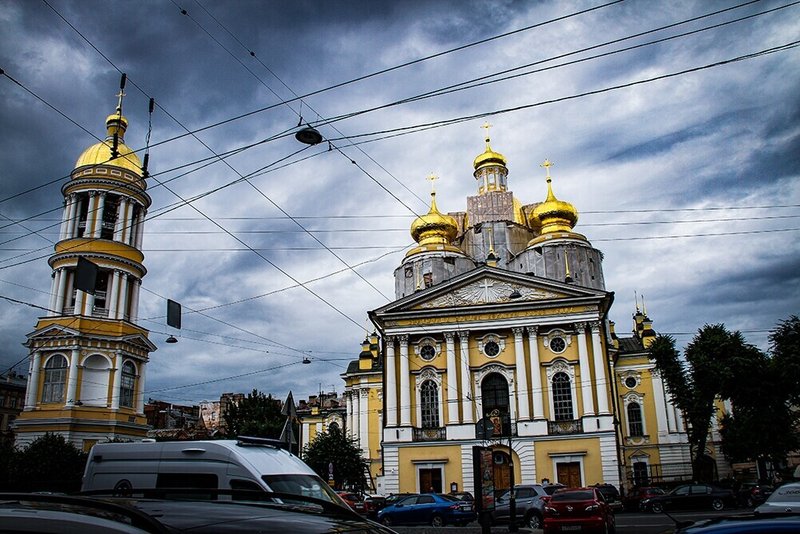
{"x": 612, "y": 497}
{"x": 752, "y": 494}
{"x": 691, "y": 497}
{"x": 132, "y": 515}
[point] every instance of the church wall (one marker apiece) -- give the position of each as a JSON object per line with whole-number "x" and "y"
{"x": 447, "y": 457}
{"x": 584, "y": 451}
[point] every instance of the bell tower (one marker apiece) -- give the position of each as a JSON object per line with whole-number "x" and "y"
{"x": 87, "y": 355}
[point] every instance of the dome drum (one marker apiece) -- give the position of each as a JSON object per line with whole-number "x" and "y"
{"x": 583, "y": 263}
{"x": 428, "y": 269}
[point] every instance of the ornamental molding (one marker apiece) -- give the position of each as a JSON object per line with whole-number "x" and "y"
{"x": 488, "y": 290}
{"x": 561, "y": 366}
{"x": 427, "y": 342}
{"x": 555, "y": 333}
{"x": 632, "y": 397}
{"x": 485, "y": 317}
{"x": 487, "y": 338}
{"x": 428, "y": 374}
{"x": 625, "y": 375}
{"x": 480, "y": 374}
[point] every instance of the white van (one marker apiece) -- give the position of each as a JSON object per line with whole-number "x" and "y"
{"x": 241, "y": 464}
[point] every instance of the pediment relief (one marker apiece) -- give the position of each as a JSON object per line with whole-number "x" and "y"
{"x": 488, "y": 291}
{"x": 53, "y": 331}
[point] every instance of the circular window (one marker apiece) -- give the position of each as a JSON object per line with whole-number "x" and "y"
{"x": 557, "y": 344}
{"x": 630, "y": 382}
{"x": 491, "y": 349}
{"x": 428, "y": 352}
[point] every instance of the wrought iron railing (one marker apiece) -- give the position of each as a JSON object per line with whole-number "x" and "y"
{"x": 430, "y": 434}
{"x": 571, "y": 426}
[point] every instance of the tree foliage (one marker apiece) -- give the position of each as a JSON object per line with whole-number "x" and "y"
{"x": 49, "y": 463}
{"x": 334, "y": 447}
{"x": 764, "y": 391}
{"x": 707, "y": 370}
{"x": 256, "y": 415}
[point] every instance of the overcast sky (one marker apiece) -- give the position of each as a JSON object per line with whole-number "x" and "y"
{"x": 682, "y": 163}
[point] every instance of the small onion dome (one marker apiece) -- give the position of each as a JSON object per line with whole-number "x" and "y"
{"x": 100, "y": 153}
{"x": 555, "y": 215}
{"x": 434, "y": 231}
{"x": 489, "y": 157}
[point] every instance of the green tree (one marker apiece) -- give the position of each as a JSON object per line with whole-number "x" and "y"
{"x": 335, "y": 448}
{"x": 49, "y": 463}
{"x": 8, "y": 454}
{"x": 764, "y": 391}
{"x": 707, "y": 370}
{"x": 256, "y": 415}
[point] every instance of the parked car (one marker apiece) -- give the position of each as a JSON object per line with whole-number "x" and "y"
{"x": 435, "y": 509}
{"x": 689, "y": 497}
{"x": 784, "y": 499}
{"x": 633, "y": 500}
{"x": 581, "y": 509}
{"x": 552, "y": 488}
{"x": 374, "y": 504}
{"x": 528, "y": 504}
{"x": 353, "y": 500}
{"x": 752, "y": 494}
{"x": 611, "y": 495}
{"x": 462, "y": 496}
{"x": 394, "y": 497}
{"x": 750, "y": 524}
{"x": 137, "y": 515}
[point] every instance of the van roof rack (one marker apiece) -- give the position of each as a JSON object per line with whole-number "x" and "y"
{"x": 252, "y": 440}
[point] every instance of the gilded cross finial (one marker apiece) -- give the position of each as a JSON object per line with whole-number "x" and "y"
{"x": 486, "y": 127}
{"x": 432, "y": 177}
{"x": 120, "y": 96}
{"x": 547, "y": 164}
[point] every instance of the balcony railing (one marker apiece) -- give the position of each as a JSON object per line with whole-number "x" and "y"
{"x": 573, "y": 426}
{"x": 429, "y": 434}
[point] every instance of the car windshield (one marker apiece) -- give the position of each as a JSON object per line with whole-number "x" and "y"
{"x": 303, "y": 485}
{"x": 573, "y": 496}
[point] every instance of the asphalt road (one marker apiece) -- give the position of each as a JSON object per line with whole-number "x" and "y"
{"x": 627, "y": 523}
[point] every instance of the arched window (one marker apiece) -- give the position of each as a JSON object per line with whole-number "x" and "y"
{"x": 94, "y": 381}
{"x": 126, "y": 386}
{"x": 635, "y": 422}
{"x": 55, "y": 376}
{"x": 562, "y": 397}
{"x": 429, "y": 398}
{"x": 494, "y": 395}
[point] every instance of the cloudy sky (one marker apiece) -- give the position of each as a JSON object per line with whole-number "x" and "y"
{"x": 675, "y": 132}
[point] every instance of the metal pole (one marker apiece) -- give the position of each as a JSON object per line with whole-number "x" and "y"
{"x": 512, "y": 501}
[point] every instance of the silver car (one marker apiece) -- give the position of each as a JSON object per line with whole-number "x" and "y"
{"x": 529, "y": 506}
{"x": 784, "y": 500}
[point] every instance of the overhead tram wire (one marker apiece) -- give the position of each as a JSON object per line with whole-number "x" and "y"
{"x": 487, "y": 79}
{"x": 414, "y": 98}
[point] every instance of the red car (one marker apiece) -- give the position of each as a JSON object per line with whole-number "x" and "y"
{"x": 353, "y": 500}
{"x": 577, "y": 510}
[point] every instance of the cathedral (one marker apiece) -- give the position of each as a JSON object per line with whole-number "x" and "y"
{"x": 87, "y": 355}
{"x": 499, "y": 337}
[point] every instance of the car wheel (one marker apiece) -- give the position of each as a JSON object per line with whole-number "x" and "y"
{"x": 533, "y": 521}
{"x": 657, "y": 507}
{"x": 750, "y": 503}
{"x": 386, "y": 520}
{"x": 437, "y": 521}
{"x": 717, "y": 504}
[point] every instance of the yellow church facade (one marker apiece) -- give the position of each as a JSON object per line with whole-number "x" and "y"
{"x": 499, "y": 337}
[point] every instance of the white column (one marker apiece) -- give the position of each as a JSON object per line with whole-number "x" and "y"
{"x": 662, "y": 409}
{"x": 536, "y": 373}
{"x": 466, "y": 379}
{"x": 586, "y": 373}
{"x": 60, "y": 292}
{"x": 140, "y": 389}
{"x": 123, "y": 296}
{"x": 363, "y": 423}
{"x": 120, "y": 222}
{"x": 62, "y": 232}
{"x": 72, "y": 222}
{"x": 98, "y": 215}
{"x": 51, "y": 306}
{"x": 91, "y": 210}
{"x": 405, "y": 387}
{"x": 599, "y": 370}
{"x": 125, "y": 230}
{"x": 32, "y": 393}
{"x": 522, "y": 375}
{"x": 356, "y": 414}
{"x": 113, "y": 294}
{"x": 140, "y": 228}
{"x": 79, "y": 299}
{"x": 89, "y": 304}
{"x": 134, "y": 307}
{"x": 452, "y": 379}
{"x": 390, "y": 398}
{"x": 349, "y": 422}
{"x": 72, "y": 379}
{"x": 115, "y": 393}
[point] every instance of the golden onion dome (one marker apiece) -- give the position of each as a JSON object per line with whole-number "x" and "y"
{"x": 434, "y": 231}
{"x": 100, "y": 153}
{"x": 553, "y": 214}
{"x": 489, "y": 157}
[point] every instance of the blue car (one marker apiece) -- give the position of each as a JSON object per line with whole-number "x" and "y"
{"x": 435, "y": 509}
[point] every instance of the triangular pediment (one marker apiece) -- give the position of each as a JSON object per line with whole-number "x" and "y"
{"x": 51, "y": 331}
{"x": 487, "y": 286}
{"x": 55, "y": 331}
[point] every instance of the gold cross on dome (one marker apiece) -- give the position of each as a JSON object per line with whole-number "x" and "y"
{"x": 486, "y": 127}
{"x": 120, "y": 95}
{"x": 431, "y": 178}
{"x": 547, "y": 164}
